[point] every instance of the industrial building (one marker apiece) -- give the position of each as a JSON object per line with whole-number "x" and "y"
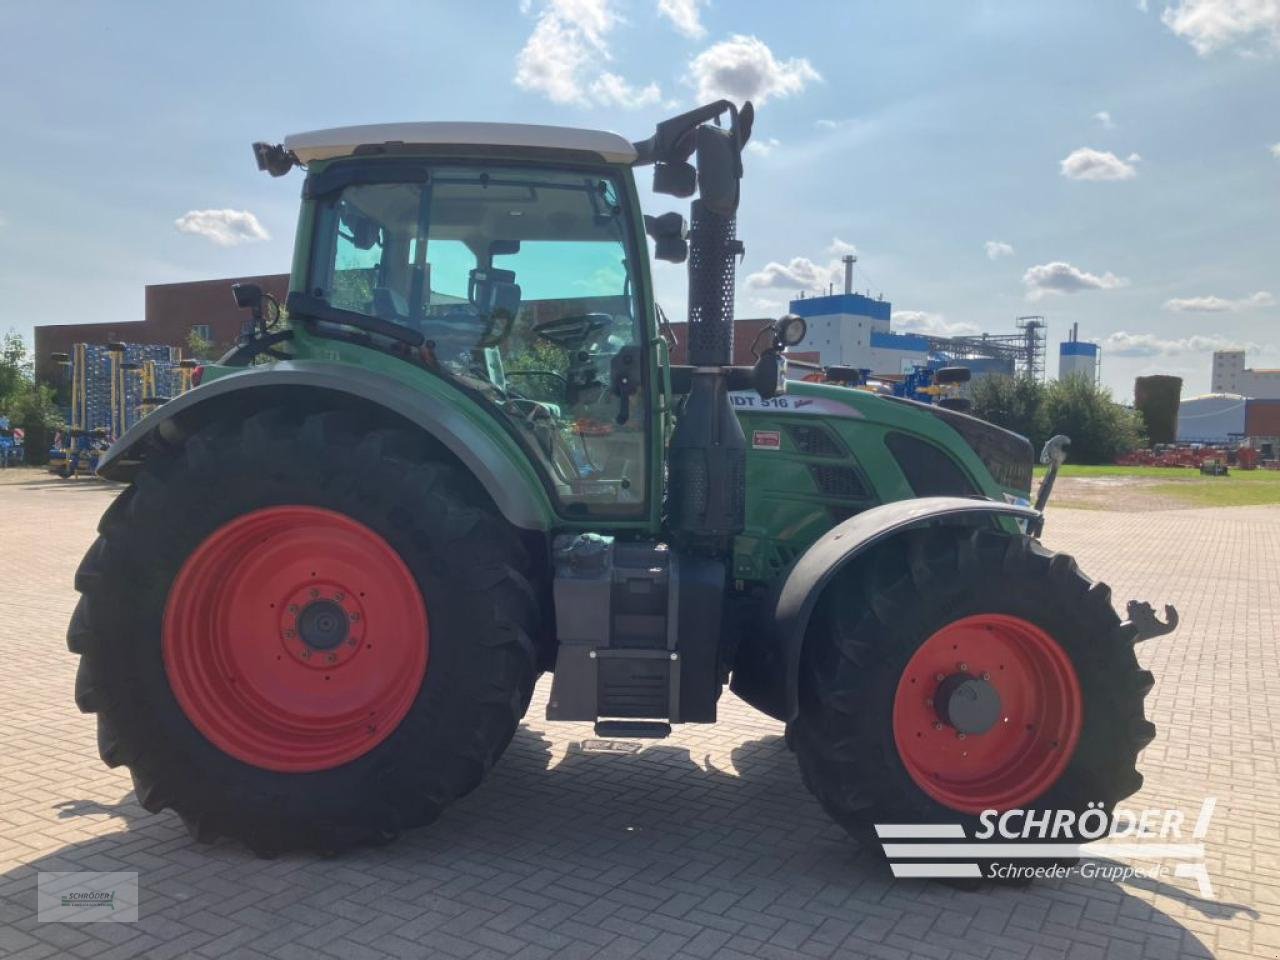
{"x": 1078, "y": 358}
{"x": 1230, "y": 375}
{"x": 171, "y": 312}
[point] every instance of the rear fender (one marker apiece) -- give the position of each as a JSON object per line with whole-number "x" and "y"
{"x": 499, "y": 467}
{"x": 766, "y": 671}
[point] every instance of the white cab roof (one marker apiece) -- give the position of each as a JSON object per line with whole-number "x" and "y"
{"x": 342, "y": 141}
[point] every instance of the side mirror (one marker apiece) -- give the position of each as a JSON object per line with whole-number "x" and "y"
{"x": 669, "y": 232}
{"x": 250, "y": 296}
{"x": 247, "y": 295}
{"x": 675, "y": 178}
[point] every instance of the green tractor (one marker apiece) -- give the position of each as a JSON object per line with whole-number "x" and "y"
{"x": 316, "y": 614}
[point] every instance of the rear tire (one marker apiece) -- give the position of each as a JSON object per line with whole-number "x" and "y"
{"x": 856, "y": 667}
{"x": 458, "y": 554}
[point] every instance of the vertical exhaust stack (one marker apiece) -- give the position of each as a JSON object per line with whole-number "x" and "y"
{"x": 706, "y": 490}
{"x": 713, "y": 252}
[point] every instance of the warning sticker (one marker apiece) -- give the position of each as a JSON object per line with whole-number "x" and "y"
{"x": 766, "y": 440}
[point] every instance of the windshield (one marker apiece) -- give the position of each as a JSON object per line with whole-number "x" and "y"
{"x": 521, "y": 283}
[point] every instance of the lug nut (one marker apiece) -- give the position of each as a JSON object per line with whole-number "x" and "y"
{"x": 939, "y": 677}
{"x": 937, "y": 726}
{"x": 986, "y": 675}
{"x": 964, "y": 668}
{"x": 959, "y": 736}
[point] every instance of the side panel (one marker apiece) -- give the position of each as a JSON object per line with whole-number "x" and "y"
{"x": 767, "y": 667}
{"x": 819, "y": 455}
{"x": 495, "y": 460}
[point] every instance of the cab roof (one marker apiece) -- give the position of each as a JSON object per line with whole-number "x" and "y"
{"x": 343, "y": 141}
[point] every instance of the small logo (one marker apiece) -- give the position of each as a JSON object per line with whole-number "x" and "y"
{"x": 84, "y": 897}
{"x": 766, "y": 440}
{"x": 1139, "y": 839}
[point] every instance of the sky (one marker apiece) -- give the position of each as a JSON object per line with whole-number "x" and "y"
{"x": 1114, "y": 164}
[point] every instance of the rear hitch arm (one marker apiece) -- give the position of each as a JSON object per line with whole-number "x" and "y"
{"x": 1145, "y": 625}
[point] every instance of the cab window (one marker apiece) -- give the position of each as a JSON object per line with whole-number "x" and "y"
{"x": 522, "y": 284}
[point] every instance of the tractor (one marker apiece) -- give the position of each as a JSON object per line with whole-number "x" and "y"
{"x": 460, "y": 457}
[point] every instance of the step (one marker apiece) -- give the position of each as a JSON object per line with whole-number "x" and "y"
{"x": 642, "y": 729}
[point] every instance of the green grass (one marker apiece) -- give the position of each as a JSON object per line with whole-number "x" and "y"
{"x": 1241, "y": 488}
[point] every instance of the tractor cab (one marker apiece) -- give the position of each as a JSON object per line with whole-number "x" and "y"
{"x": 520, "y": 276}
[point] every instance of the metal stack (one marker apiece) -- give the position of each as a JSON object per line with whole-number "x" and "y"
{"x": 109, "y": 384}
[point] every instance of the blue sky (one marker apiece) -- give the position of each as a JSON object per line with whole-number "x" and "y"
{"x": 1125, "y": 160}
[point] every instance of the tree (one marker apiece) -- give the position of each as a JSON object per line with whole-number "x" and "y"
{"x": 1015, "y": 403}
{"x": 27, "y": 404}
{"x": 199, "y": 348}
{"x": 1100, "y": 429}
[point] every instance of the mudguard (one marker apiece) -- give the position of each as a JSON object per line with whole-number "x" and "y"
{"x": 766, "y": 671}
{"x": 520, "y": 498}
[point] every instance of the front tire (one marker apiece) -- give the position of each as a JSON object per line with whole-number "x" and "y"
{"x": 300, "y": 633}
{"x": 1053, "y": 707}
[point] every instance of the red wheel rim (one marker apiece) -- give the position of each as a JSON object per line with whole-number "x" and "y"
{"x": 295, "y": 638}
{"x": 1032, "y": 732}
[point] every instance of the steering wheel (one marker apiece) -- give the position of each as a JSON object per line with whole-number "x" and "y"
{"x": 572, "y": 331}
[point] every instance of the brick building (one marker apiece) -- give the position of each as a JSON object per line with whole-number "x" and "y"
{"x": 171, "y": 312}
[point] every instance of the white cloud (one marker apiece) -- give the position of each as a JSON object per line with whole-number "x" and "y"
{"x": 799, "y": 273}
{"x": 744, "y": 68}
{"x": 609, "y": 89}
{"x": 1059, "y": 277}
{"x": 1104, "y": 118}
{"x": 1213, "y": 304}
{"x": 226, "y": 228}
{"x": 1124, "y": 344}
{"x": 564, "y": 57}
{"x": 824, "y": 124}
{"x": 764, "y": 147}
{"x": 1089, "y": 164}
{"x": 1213, "y": 25}
{"x": 931, "y": 324}
{"x": 1275, "y": 150}
{"x": 997, "y": 249}
{"x": 684, "y": 16}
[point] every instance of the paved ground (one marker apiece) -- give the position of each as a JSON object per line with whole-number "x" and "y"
{"x": 704, "y": 845}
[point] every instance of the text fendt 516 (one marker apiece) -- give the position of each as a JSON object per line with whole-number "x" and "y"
{"x": 316, "y": 614}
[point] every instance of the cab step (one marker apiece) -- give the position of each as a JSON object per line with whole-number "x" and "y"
{"x": 639, "y": 729}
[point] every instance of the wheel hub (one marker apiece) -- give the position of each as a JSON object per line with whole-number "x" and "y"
{"x": 322, "y": 625}
{"x": 970, "y": 705}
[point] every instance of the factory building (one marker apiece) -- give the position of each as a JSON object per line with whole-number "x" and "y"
{"x": 848, "y": 329}
{"x": 1077, "y": 358}
{"x": 1230, "y": 375}
{"x": 1212, "y": 418}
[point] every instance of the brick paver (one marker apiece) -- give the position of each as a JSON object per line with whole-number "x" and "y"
{"x": 704, "y": 845}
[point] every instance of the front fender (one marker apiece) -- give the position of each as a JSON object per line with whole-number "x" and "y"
{"x": 500, "y": 467}
{"x": 766, "y": 671}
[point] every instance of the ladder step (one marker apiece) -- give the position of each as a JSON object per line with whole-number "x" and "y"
{"x": 646, "y": 729}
